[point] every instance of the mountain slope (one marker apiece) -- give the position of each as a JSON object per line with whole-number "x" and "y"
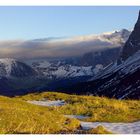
{"x": 88, "y": 64}
{"x": 102, "y": 57}
{"x": 14, "y": 68}
{"x": 60, "y": 70}
{"x": 133, "y": 43}
{"x": 18, "y": 78}
{"x": 119, "y": 80}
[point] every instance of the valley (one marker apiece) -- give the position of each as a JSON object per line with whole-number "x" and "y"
{"x": 88, "y": 84}
{"x": 19, "y": 76}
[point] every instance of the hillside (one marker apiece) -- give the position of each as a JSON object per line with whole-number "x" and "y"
{"x": 14, "y": 68}
{"x": 19, "y": 116}
{"x": 119, "y": 79}
{"x": 21, "y": 75}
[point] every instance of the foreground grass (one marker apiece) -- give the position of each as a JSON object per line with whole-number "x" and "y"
{"x": 97, "y": 108}
{"x": 18, "y": 116}
{"x": 97, "y": 130}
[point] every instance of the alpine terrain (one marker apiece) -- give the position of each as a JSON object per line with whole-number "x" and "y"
{"x": 29, "y": 75}
{"x": 88, "y": 84}
{"x": 120, "y": 79}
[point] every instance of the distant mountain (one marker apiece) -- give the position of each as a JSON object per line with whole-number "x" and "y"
{"x": 133, "y": 43}
{"x": 88, "y": 64}
{"x": 16, "y": 77}
{"x": 103, "y": 57}
{"x": 106, "y": 56}
{"x": 13, "y": 68}
{"x": 60, "y": 69}
{"x": 119, "y": 80}
{"x": 35, "y": 75}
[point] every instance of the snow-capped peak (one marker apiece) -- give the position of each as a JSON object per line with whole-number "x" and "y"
{"x": 13, "y": 68}
{"x": 6, "y": 65}
{"x": 115, "y": 37}
{"x": 7, "y": 60}
{"x": 59, "y": 69}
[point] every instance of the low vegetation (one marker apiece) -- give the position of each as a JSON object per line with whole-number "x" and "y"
{"x": 97, "y": 130}
{"x": 100, "y": 109}
{"x": 18, "y": 116}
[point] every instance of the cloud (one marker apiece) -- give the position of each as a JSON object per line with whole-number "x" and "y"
{"x": 67, "y": 47}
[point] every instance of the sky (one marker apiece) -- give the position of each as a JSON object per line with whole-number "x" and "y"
{"x": 27, "y": 23}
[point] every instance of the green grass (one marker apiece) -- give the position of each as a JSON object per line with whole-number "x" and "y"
{"x": 97, "y": 108}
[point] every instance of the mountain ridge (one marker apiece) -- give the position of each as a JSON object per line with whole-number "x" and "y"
{"x": 118, "y": 80}
{"x": 13, "y": 68}
{"x": 20, "y": 77}
{"x": 132, "y": 45}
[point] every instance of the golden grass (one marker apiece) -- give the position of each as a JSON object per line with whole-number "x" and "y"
{"x": 98, "y": 130}
{"x": 24, "y": 118}
{"x": 17, "y": 116}
{"x": 97, "y": 108}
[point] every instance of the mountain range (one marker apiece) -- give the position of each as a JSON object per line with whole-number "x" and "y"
{"x": 120, "y": 79}
{"x": 28, "y": 75}
{"x": 111, "y": 70}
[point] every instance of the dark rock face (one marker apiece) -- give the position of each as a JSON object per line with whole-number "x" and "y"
{"x": 132, "y": 45}
{"x": 113, "y": 86}
{"x": 22, "y": 70}
{"x": 13, "y": 68}
{"x": 16, "y": 77}
{"x": 104, "y": 57}
{"x": 122, "y": 80}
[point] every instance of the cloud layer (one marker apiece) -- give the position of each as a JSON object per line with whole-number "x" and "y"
{"x": 68, "y": 47}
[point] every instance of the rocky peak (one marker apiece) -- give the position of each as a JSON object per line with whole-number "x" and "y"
{"x": 132, "y": 45}
{"x": 13, "y": 68}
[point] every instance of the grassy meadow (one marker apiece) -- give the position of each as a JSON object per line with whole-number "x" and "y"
{"x": 100, "y": 109}
{"x": 19, "y": 117}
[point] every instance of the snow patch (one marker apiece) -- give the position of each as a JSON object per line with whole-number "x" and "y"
{"x": 48, "y": 103}
{"x": 120, "y": 128}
